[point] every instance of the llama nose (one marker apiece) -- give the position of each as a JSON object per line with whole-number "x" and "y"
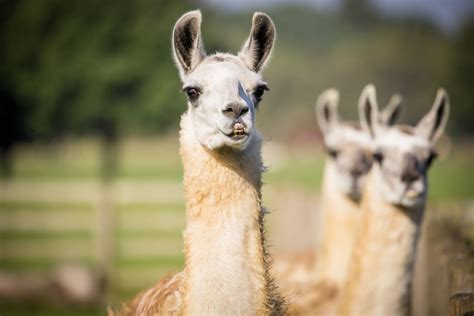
{"x": 235, "y": 109}
{"x": 408, "y": 176}
{"x": 411, "y": 170}
{"x": 356, "y": 172}
{"x": 361, "y": 165}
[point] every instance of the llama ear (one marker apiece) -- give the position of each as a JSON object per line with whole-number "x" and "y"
{"x": 256, "y": 50}
{"x": 392, "y": 111}
{"x": 326, "y": 110}
{"x": 368, "y": 110}
{"x": 433, "y": 123}
{"x": 188, "y": 49}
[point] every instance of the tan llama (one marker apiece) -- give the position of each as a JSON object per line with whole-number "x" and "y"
{"x": 393, "y": 203}
{"x": 226, "y": 262}
{"x": 349, "y": 149}
{"x": 312, "y": 280}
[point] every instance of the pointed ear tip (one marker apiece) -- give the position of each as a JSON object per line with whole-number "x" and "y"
{"x": 258, "y": 14}
{"x": 397, "y": 98}
{"x": 329, "y": 95}
{"x": 261, "y": 16}
{"x": 195, "y": 14}
{"x": 332, "y": 94}
{"x": 370, "y": 88}
{"x": 442, "y": 93}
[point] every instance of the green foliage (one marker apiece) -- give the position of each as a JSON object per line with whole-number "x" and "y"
{"x": 92, "y": 65}
{"x": 462, "y": 81}
{"x": 105, "y": 67}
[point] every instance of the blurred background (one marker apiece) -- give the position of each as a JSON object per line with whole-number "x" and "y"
{"x": 91, "y": 203}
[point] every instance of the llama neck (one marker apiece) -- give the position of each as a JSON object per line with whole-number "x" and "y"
{"x": 379, "y": 280}
{"x": 340, "y": 221}
{"x": 226, "y": 268}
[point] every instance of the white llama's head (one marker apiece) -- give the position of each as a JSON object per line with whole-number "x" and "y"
{"x": 347, "y": 144}
{"x": 403, "y": 154}
{"x": 223, "y": 90}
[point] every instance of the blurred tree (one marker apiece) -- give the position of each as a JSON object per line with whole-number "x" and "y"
{"x": 461, "y": 84}
{"x": 359, "y": 12}
{"x": 91, "y": 66}
{"x": 12, "y": 129}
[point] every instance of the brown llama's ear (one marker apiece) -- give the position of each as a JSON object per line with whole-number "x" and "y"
{"x": 188, "y": 49}
{"x": 433, "y": 123}
{"x": 326, "y": 110}
{"x": 258, "y": 47}
{"x": 392, "y": 111}
{"x": 368, "y": 110}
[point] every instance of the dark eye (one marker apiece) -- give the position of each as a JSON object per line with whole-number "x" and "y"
{"x": 192, "y": 92}
{"x": 332, "y": 152}
{"x": 431, "y": 158}
{"x": 378, "y": 156}
{"x": 259, "y": 91}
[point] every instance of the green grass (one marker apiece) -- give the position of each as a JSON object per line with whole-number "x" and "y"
{"x": 452, "y": 180}
{"x": 43, "y": 206}
{"x": 171, "y": 262}
{"x": 47, "y": 310}
{"x": 43, "y": 264}
{"x": 46, "y": 235}
{"x": 298, "y": 171}
{"x": 149, "y": 234}
{"x": 152, "y": 207}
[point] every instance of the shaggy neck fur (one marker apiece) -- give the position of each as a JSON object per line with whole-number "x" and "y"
{"x": 379, "y": 280}
{"x": 341, "y": 219}
{"x": 226, "y": 270}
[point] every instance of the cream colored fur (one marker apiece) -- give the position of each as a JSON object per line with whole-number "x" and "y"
{"x": 226, "y": 266}
{"x": 226, "y": 271}
{"x": 381, "y": 268}
{"x": 341, "y": 219}
{"x": 393, "y": 203}
{"x": 313, "y": 283}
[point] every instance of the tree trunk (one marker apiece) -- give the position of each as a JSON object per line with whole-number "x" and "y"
{"x": 107, "y": 219}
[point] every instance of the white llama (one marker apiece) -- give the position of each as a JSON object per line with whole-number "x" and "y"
{"x": 226, "y": 262}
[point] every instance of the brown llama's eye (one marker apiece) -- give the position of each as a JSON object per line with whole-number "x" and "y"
{"x": 332, "y": 152}
{"x": 192, "y": 92}
{"x": 259, "y": 91}
{"x": 431, "y": 158}
{"x": 378, "y": 156}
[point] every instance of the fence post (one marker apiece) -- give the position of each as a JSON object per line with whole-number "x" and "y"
{"x": 106, "y": 237}
{"x": 462, "y": 304}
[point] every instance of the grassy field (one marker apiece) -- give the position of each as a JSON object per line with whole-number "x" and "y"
{"x": 50, "y": 209}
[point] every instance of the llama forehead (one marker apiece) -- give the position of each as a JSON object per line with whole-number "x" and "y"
{"x": 223, "y": 69}
{"x": 348, "y": 135}
{"x": 402, "y": 140}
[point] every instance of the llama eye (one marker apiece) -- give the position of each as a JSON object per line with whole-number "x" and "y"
{"x": 431, "y": 158}
{"x": 192, "y": 92}
{"x": 259, "y": 91}
{"x": 378, "y": 156}
{"x": 332, "y": 152}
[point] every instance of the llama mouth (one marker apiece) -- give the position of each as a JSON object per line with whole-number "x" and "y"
{"x": 238, "y": 132}
{"x": 354, "y": 196}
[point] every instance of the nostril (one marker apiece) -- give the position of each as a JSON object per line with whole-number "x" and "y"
{"x": 235, "y": 109}
{"x": 356, "y": 173}
{"x": 228, "y": 110}
{"x": 409, "y": 177}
